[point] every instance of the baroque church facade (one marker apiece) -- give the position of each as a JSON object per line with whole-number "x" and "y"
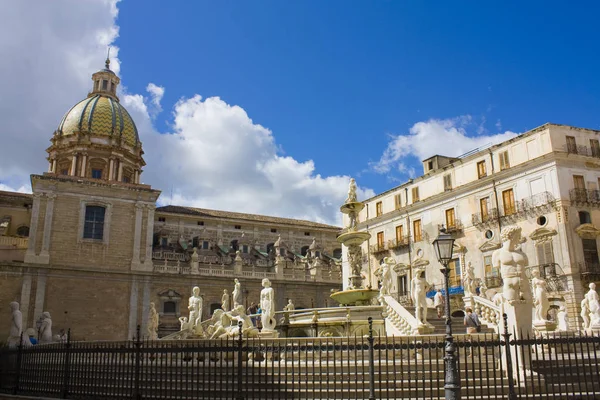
{"x": 91, "y": 247}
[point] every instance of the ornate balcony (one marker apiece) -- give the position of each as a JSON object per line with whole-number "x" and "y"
{"x": 584, "y": 196}
{"x": 485, "y": 218}
{"x": 399, "y": 243}
{"x": 493, "y": 282}
{"x": 378, "y": 248}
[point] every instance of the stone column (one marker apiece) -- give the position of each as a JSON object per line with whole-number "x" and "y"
{"x": 35, "y": 216}
{"x": 137, "y": 236}
{"x": 53, "y": 166}
{"x": 136, "y": 176}
{"x": 73, "y": 171}
{"x": 111, "y": 168}
{"x": 83, "y": 165}
{"x": 120, "y": 176}
{"x": 149, "y": 236}
{"x": 40, "y": 295}
{"x": 25, "y": 296}
{"x": 133, "y": 308}
{"x": 44, "y": 254}
{"x": 49, "y": 165}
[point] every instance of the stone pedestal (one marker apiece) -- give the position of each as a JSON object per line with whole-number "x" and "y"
{"x": 425, "y": 329}
{"x": 544, "y": 326}
{"x": 520, "y": 326}
{"x": 594, "y": 329}
{"x": 268, "y": 334}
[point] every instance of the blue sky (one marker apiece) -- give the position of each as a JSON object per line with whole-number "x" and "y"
{"x": 270, "y": 106}
{"x": 320, "y": 72}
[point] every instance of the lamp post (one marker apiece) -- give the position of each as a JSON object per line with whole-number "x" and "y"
{"x": 443, "y": 246}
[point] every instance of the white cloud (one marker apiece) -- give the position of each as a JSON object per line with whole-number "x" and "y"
{"x": 49, "y": 52}
{"x": 447, "y": 137}
{"x": 156, "y": 95}
{"x": 215, "y": 156}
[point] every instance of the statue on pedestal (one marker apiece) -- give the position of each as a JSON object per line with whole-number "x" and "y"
{"x": 46, "y": 328}
{"x": 593, "y": 303}
{"x": 152, "y": 325}
{"x": 267, "y": 305}
{"x": 386, "y": 278}
{"x": 563, "y": 319}
{"x": 16, "y": 326}
{"x": 225, "y": 300}
{"x": 469, "y": 281}
{"x": 418, "y": 290}
{"x": 512, "y": 263}
{"x": 195, "y": 307}
{"x": 237, "y": 293}
{"x": 540, "y": 296}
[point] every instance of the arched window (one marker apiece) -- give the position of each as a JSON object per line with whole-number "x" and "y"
{"x": 94, "y": 222}
{"x": 23, "y": 231}
{"x": 584, "y": 217}
{"x": 337, "y": 253}
{"x": 304, "y": 250}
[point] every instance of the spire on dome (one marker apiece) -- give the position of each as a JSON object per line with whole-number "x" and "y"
{"x": 107, "y": 62}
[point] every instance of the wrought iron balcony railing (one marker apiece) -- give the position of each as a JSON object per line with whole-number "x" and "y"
{"x": 585, "y": 196}
{"x": 399, "y": 243}
{"x": 483, "y": 218}
{"x": 553, "y": 274}
{"x": 528, "y": 204}
{"x": 456, "y": 226}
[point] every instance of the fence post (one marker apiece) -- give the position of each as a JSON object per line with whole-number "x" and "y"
{"x": 67, "y": 367}
{"x": 239, "y": 395}
{"x": 19, "y": 356}
{"x": 512, "y": 395}
{"x": 371, "y": 361}
{"x": 138, "y": 356}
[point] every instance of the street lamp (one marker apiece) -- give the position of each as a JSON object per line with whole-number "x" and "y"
{"x": 443, "y": 246}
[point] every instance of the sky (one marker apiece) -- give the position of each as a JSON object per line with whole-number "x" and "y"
{"x": 271, "y": 106}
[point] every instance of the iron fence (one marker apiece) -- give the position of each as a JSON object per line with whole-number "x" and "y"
{"x": 361, "y": 367}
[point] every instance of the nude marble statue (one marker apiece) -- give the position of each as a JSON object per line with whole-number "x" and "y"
{"x": 512, "y": 262}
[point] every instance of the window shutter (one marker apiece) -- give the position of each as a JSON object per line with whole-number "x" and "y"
{"x": 398, "y": 201}
{"x": 548, "y": 253}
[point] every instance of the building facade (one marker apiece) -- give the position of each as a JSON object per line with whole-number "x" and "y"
{"x": 91, "y": 247}
{"x": 545, "y": 181}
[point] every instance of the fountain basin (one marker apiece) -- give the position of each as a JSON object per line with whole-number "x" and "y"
{"x": 353, "y": 238}
{"x": 353, "y": 207}
{"x": 355, "y": 297}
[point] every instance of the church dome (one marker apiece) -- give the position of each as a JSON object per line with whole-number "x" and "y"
{"x": 100, "y": 115}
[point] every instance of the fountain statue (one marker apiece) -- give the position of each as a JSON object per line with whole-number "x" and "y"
{"x": 541, "y": 304}
{"x": 237, "y": 293}
{"x": 352, "y": 239}
{"x": 152, "y": 324}
{"x": 418, "y": 291}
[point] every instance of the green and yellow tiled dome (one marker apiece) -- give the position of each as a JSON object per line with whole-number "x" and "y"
{"x": 102, "y": 116}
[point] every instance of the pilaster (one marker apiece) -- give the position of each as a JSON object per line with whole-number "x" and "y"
{"x": 25, "y": 298}
{"x": 149, "y": 236}
{"x": 40, "y": 295}
{"x": 137, "y": 236}
{"x": 83, "y": 165}
{"x": 44, "y": 257}
{"x": 30, "y": 254}
{"x": 133, "y": 308}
